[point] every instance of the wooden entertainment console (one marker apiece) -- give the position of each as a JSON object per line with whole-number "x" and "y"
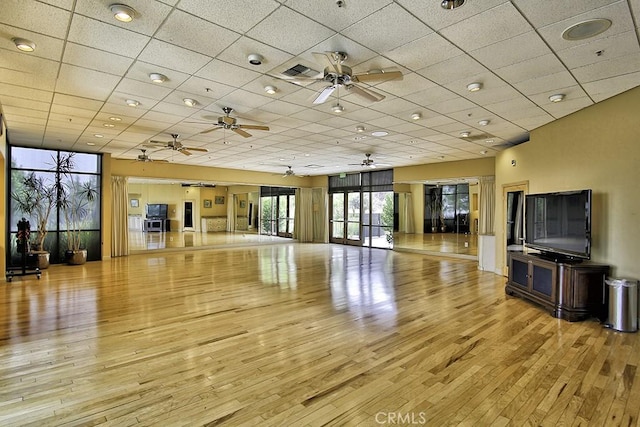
{"x": 569, "y": 290}
{"x": 157, "y": 225}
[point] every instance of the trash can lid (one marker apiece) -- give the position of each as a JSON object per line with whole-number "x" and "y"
{"x": 629, "y": 283}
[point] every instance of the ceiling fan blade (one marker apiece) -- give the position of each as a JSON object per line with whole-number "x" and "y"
{"x": 327, "y": 59}
{"x": 325, "y": 94}
{"x": 204, "y": 150}
{"x": 228, "y": 120}
{"x": 159, "y": 161}
{"x": 185, "y": 151}
{"x": 210, "y": 130}
{"x": 241, "y": 132}
{"x": 381, "y": 76}
{"x": 158, "y": 142}
{"x": 256, "y": 127}
{"x": 365, "y": 93}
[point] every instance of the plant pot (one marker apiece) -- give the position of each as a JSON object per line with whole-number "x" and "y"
{"x": 78, "y": 257}
{"x": 40, "y": 259}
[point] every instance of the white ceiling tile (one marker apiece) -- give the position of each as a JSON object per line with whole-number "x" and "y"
{"x": 557, "y": 11}
{"x": 335, "y": 17}
{"x": 143, "y": 90}
{"x": 85, "y": 83}
{"x": 552, "y": 82}
{"x": 170, "y": 56}
{"x": 202, "y": 36}
{"x": 437, "y": 18}
{"x": 96, "y": 34}
{"x": 599, "y": 50}
{"x": 423, "y": 52}
{"x": 35, "y": 16}
{"x": 25, "y": 92}
{"x": 618, "y": 13}
{"x": 510, "y": 51}
{"x": 238, "y": 15}
{"x": 532, "y": 68}
{"x": 150, "y": 14}
{"x": 491, "y": 26}
{"x": 387, "y": 29}
{"x": 604, "y": 89}
{"x": 238, "y": 55}
{"x": 224, "y": 72}
{"x": 300, "y": 33}
{"x": 98, "y": 60}
{"x": 614, "y": 67}
{"x": 466, "y": 68}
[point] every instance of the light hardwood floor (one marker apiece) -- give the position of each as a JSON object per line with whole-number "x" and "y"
{"x": 300, "y": 334}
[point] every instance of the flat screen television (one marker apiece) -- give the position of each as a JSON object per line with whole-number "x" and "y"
{"x": 157, "y": 211}
{"x": 559, "y": 223}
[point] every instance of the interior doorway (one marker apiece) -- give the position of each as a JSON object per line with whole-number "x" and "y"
{"x": 188, "y": 216}
{"x": 513, "y": 225}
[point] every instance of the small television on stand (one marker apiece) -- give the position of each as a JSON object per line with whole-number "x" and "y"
{"x": 559, "y": 225}
{"x": 157, "y": 211}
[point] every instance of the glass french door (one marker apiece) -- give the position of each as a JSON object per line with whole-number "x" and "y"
{"x": 277, "y": 215}
{"x": 346, "y": 227}
{"x": 286, "y": 214}
{"x": 377, "y": 219}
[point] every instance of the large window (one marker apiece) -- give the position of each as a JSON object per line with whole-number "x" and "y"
{"x": 446, "y": 208}
{"x": 277, "y": 211}
{"x": 44, "y": 167}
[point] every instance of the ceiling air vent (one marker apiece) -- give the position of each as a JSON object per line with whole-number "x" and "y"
{"x": 300, "y": 70}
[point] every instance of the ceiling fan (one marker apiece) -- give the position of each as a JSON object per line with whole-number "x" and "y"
{"x": 368, "y": 162}
{"x": 144, "y": 157}
{"x": 226, "y": 122}
{"x": 175, "y": 145}
{"x": 288, "y": 172}
{"x": 339, "y": 75}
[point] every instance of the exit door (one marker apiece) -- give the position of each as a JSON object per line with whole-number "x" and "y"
{"x": 346, "y": 227}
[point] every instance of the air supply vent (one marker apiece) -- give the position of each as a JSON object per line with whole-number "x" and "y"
{"x": 300, "y": 70}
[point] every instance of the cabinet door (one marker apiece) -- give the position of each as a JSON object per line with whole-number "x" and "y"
{"x": 519, "y": 271}
{"x": 543, "y": 280}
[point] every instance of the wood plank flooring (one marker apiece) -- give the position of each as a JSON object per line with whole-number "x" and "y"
{"x": 300, "y": 334}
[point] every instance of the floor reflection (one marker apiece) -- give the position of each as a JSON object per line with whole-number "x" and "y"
{"x": 463, "y": 246}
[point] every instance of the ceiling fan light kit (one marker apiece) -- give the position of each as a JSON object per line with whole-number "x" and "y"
{"x": 255, "y": 59}
{"x": 24, "y": 45}
{"x": 337, "y": 108}
{"x": 360, "y": 129}
{"x": 229, "y": 123}
{"x": 122, "y": 12}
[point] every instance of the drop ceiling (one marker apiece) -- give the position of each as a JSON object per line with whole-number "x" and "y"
{"x": 86, "y": 65}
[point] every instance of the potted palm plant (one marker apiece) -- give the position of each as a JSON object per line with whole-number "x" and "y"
{"x": 436, "y": 209}
{"x": 75, "y": 199}
{"x": 36, "y": 198}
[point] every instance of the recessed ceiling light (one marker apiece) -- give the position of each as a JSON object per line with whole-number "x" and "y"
{"x": 270, "y": 89}
{"x": 337, "y": 108}
{"x": 416, "y": 116}
{"x": 91, "y": 143}
{"x": 451, "y": 4}
{"x": 24, "y": 45}
{"x": 359, "y": 128}
{"x": 158, "y": 78}
{"x": 255, "y": 59}
{"x": 190, "y": 102}
{"x": 115, "y": 119}
{"x": 379, "y": 133}
{"x": 488, "y": 141}
{"x": 132, "y": 102}
{"x": 474, "y": 87}
{"x": 483, "y": 122}
{"x": 98, "y": 135}
{"x": 585, "y": 29}
{"x": 108, "y": 125}
{"x": 122, "y": 12}
{"x": 557, "y": 97}
{"x": 465, "y": 134}
{"x": 483, "y": 152}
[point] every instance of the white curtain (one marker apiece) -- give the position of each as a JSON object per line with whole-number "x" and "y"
{"x": 320, "y": 215}
{"x": 231, "y": 212}
{"x": 304, "y": 215}
{"x": 119, "y": 217}
{"x": 409, "y": 222}
{"x": 486, "y": 216}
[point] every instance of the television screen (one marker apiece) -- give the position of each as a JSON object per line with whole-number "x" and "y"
{"x": 559, "y": 223}
{"x": 157, "y": 211}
